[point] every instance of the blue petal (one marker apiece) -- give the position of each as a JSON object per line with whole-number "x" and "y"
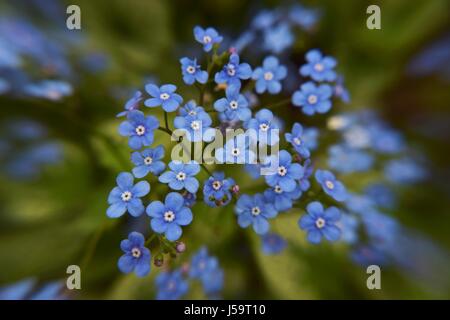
{"x": 173, "y": 232}
{"x": 116, "y": 210}
{"x": 140, "y": 189}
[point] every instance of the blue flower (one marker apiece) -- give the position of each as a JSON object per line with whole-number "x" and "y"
{"x": 255, "y": 211}
{"x": 360, "y": 204}
{"x": 320, "y": 223}
{"x": 164, "y": 96}
{"x": 171, "y": 285}
{"x": 278, "y": 38}
{"x": 195, "y": 124}
{"x": 192, "y": 72}
{"x": 341, "y": 91}
{"x": 181, "y": 175}
{"x": 139, "y": 129}
{"x": 189, "y": 199}
{"x": 265, "y": 19}
{"x": 216, "y": 190}
{"x": 368, "y": 255}
{"x": 308, "y": 170}
{"x": 404, "y": 171}
{"x": 132, "y": 104}
{"x": 304, "y": 17}
{"x": 212, "y": 282}
{"x": 296, "y": 139}
{"x": 236, "y": 150}
{"x": 282, "y": 200}
{"x": 169, "y": 216}
{"x": 191, "y": 109}
{"x": 385, "y": 140}
{"x": 234, "y": 106}
{"x": 208, "y": 37}
{"x": 349, "y": 227}
{"x": 313, "y": 99}
{"x": 346, "y": 160}
{"x": 137, "y": 257}
{"x": 381, "y": 229}
{"x": 286, "y": 174}
{"x": 126, "y": 196}
{"x": 330, "y": 185}
{"x": 381, "y": 194}
{"x": 310, "y": 136}
{"x": 233, "y": 72}
{"x": 319, "y": 68}
{"x": 268, "y": 76}
{"x": 264, "y": 127}
{"x": 49, "y": 89}
{"x": 272, "y": 243}
{"x": 147, "y": 161}
{"x": 202, "y": 263}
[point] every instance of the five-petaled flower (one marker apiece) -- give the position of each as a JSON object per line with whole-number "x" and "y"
{"x": 139, "y": 129}
{"x": 268, "y": 76}
{"x": 194, "y": 122}
{"x": 234, "y": 106}
{"x": 181, "y": 175}
{"x": 319, "y": 68}
{"x": 320, "y": 223}
{"x": 217, "y": 190}
{"x": 132, "y": 104}
{"x": 286, "y": 173}
{"x": 255, "y": 211}
{"x": 137, "y": 257}
{"x": 164, "y": 96}
{"x": 233, "y": 72}
{"x": 272, "y": 243}
{"x": 236, "y": 150}
{"x": 313, "y": 98}
{"x": 169, "y": 216}
{"x": 208, "y": 37}
{"x": 191, "y": 71}
{"x": 171, "y": 285}
{"x": 282, "y": 200}
{"x": 266, "y": 130}
{"x": 126, "y": 196}
{"x": 147, "y": 161}
{"x": 202, "y": 263}
{"x": 296, "y": 138}
{"x": 330, "y": 185}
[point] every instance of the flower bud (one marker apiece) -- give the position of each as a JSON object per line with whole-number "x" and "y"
{"x": 235, "y": 189}
{"x": 180, "y": 246}
{"x": 159, "y": 260}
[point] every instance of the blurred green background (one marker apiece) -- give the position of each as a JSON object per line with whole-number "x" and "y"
{"x": 59, "y": 218}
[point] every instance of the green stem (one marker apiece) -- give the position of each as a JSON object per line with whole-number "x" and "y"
{"x": 280, "y": 103}
{"x": 92, "y": 245}
{"x": 166, "y": 120}
{"x": 168, "y": 131}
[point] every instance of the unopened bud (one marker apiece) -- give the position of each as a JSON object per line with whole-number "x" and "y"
{"x": 159, "y": 260}
{"x": 180, "y": 247}
{"x": 235, "y": 189}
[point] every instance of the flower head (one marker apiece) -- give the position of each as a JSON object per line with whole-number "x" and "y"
{"x": 137, "y": 257}
{"x": 208, "y": 37}
{"x": 181, "y": 175}
{"x": 191, "y": 71}
{"x": 164, "y": 96}
{"x": 168, "y": 217}
{"x": 139, "y": 129}
{"x": 319, "y": 68}
{"x": 286, "y": 174}
{"x": 330, "y": 185}
{"x": 265, "y": 127}
{"x": 272, "y": 243}
{"x": 233, "y": 72}
{"x": 234, "y": 106}
{"x": 268, "y": 76}
{"x": 278, "y": 38}
{"x": 202, "y": 263}
{"x": 297, "y": 140}
{"x": 320, "y": 223}
{"x": 171, "y": 285}
{"x": 236, "y": 150}
{"x": 313, "y": 99}
{"x": 126, "y": 196}
{"x": 195, "y": 123}
{"x": 132, "y": 104}
{"x": 217, "y": 190}
{"x": 255, "y": 211}
{"x": 341, "y": 91}
{"x": 147, "y": 161}
{"x": 346, "y": 160}
{"x": 281, "y": 199}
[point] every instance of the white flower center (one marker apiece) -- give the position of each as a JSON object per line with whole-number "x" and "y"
{"x": 164, "y": 96}
{"x": 231, "y": 70}
{"x": 216, "y": 185}
{"x": 264, "y": 127}
{"x": 312, "y": 99}
{"x": 329, "y": 184}
{"x": 135, "y": 252}
{"x": 140, "y": 130}
{"x": 148, "y": 160}
{"x": 207, "y": 39}
{"x": 181, "y": 176}
{"x": 126, "y": 196}
{"x": 233, "y": 104}
{"x": 195, "y": 125}
{"x": 320, "y": 223}
{"x": 235, "y": 152}
{"x": 318, "y": 67}
{"x": 297, "y": 141}
{"x": 278, "y": 189}
{"x": 190, "y": 70}
{"x": 282, "y": 171}
{"x": 169, "y": 216}
{"x": 256, "y": 211}
{"x": 268, "y": 76}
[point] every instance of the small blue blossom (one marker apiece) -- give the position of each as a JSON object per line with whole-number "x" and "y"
{"x": 234, "y": 106}
{"x": 137, "y": 257}
{"x": 195, "y": 124}
{"x": 360, "y": 204}
{"x": 347, "y": 160}
{"x": 268, "y": 76}
{"x": 304, "y": 17}
{"x": 296, "y": 139}
{"x": 381, "y": 194}
{"x": 208, "y": 37}
{"x": 212, "y": 282}
{"x": 126, "y": 196}
{"x": 181, "y": 175}
{"x": 273, "y": 243}
{"x": 278, "y": 38}
{"x": 169, "y": 216}
{"x": 341, "y": 91}
{"x": 191, "y": 71}
{"x": 313, "y": 98}
{"x": 164, "y": 96}
{"x": 286, "y": 174}
{"x": 319, "y": 68}
{"x": 49, "y": 89}
{"x": 320, "y": 223}
{"x": 189, "y": 199}
{"x": 381, "y": 229}
{"x": 310, "y": 137}
{"x": 191, "y": 109}
{"x": 147, "y": 161}
{"x": 139, "y": 129}
{"x": 132, "y": 104}
{"x": 233, "y": 72}
{"x": 217, "y": 190}
{"x": 330, "y": 185}
{"x": 349, "y": 227}
{"x": 282, "y": 200}
{"x": 202, "y": 263}
{"x": 308, "y": 168}
{"x": 264, "y": 126}
{"x": 255, "y": 211}
{"x": 369, "y": 255}
{"x": 236, "y": 150}
{"x": 171, "y": 285}
{"x": 265, "y": 19}
{"x": 404, "y": 171}
{"x": 385, "y": 140}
